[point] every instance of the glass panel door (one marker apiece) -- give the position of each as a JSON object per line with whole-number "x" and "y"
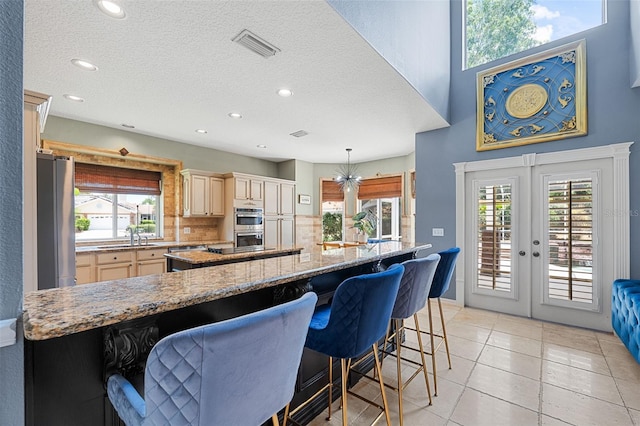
{"x": 570, "y": 238}
{"x": 494, "y": 237}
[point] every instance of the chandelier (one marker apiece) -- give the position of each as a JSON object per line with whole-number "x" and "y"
{"x": 348, "y": 178}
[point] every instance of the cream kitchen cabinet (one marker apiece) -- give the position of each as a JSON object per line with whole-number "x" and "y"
{"x": 150, "y": 262}
{"x": 85, "y": 268}
{"x": 244, "y": 191}
{"x": 279, "y": 231}
{"x": 114, "y": 265}
{"x": 248, "y": 188}
{"x": 93, "y": 267}
{"x": 203, "y": 194}
{"x": 279, "y": 198}
{"x": 279, "y": 211}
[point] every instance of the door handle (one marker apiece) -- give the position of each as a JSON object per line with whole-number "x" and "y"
{"x": 536, "y": 242}
{"x": 522, "y": 253}
{"x": 535, "y": 254}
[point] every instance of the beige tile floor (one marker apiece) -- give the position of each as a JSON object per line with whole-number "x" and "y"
{"x": 512, "y": 371}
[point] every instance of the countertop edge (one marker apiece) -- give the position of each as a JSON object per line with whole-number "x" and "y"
{"x": 39, "y": 327}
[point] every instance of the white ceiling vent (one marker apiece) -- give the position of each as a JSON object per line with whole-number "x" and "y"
{"x": 299, "y": 134}
{"x": 255, "y": 44}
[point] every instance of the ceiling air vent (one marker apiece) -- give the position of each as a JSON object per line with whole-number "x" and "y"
{"x": 255, "y": 44}
{"x": 299, "y": 134}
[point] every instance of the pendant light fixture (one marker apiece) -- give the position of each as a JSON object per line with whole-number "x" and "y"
{"x": 348, "y": 177}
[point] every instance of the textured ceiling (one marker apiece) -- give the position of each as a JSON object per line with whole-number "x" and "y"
{"x": 170, "y": 67}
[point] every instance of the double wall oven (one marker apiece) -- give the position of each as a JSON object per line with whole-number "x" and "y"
{"x": 248, "y": 227}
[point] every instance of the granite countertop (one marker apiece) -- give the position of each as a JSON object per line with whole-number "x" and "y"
{"x": 63, "y": 311}
{"x": 107, "y": 248}
{"x": 200, "y": 257}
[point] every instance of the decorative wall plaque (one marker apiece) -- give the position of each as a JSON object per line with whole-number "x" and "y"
{"x": 539, "y": 98}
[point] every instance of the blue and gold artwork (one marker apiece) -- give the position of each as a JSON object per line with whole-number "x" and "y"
{"x": 535, "y": 99}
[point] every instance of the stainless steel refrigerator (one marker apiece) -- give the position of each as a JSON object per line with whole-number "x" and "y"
{"x": 56, "y": 222}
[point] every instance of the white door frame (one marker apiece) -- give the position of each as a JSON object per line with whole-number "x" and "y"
{"x": 620, "y": 155}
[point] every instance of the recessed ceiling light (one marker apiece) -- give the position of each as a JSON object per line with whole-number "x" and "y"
{"x": 73, "y": 98}
{"x": 235, "y": 115}
{"x": 261, "y": 146}
{"x": 128, "y": 126}
{"x": 84, "y": 65}
{"x": 203, "y": 131}
{"x": 285, "y": 93}
{"x": 111, "y": 9}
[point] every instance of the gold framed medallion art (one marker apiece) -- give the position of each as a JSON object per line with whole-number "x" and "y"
{"x": 539, "y": 98}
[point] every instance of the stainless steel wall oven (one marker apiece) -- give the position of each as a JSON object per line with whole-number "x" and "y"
{"x": 248, "y": 219}
{"x": 249, "y": 238}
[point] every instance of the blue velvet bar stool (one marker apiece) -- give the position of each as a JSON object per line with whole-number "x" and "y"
{"x": 412, "y": 296}
{"x": 353, "y": 324}
{"x": 240, "y": 371}
{"x": 440, "y": 285}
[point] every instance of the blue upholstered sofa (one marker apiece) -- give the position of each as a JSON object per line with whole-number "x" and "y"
{"x": 625, "y": 314}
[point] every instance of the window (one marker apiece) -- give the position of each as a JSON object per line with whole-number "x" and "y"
{"x": 332, "y": 211}
{"x": 498, "y": 28}
{"x": 110, "y": 202}
{"x": 381, "y": 197}
{"x": 570, "y": 233}
{"x": 494, "y": 237}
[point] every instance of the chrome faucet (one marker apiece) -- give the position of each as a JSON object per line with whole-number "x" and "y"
{"x": 139, "y": 237}
{"x": 146, "y": 240}
{"x": 132, "y": 239}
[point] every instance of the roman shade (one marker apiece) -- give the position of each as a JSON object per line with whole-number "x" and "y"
{"x": 331, "y": 191}
{"x": 116, "y": 180}
{"x": 380, "y": 187}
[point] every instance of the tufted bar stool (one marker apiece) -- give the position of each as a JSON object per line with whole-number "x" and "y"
{"x": 241, "y": 371}
{"x": 412, "y": 296}
{"x": 353, "y": 324}
{"x": 440, "y": 285}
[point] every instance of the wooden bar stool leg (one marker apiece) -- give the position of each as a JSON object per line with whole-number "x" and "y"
{"x": 444, "y": 333}
{"x": 424, "y": 363}
{"x": 286, "y": 415}
{"x": 345, "y": 374}
{"x": 399, "y": 370}
{"x": 433, "y": 354}
{"x": 330, "y": 386}
{"x": 384, "y": 395}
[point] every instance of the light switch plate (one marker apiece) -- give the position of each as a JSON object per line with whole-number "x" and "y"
{"x": 186, "y": 230}
{"x": 7, "y": 332}
{"x": 437, "y": 232}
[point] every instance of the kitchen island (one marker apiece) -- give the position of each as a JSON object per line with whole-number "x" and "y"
{"x": 180, "y": 261}
{"x": 77, "y": 336}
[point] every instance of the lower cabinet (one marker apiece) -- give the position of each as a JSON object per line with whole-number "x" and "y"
{"x": 114, "y": 266}
{"x": 150, "y": 262}
{"x": 92, "y": 267}
{"x": 279, "y": 231}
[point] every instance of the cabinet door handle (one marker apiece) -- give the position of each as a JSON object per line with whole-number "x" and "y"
{"x": 115, "y": 257}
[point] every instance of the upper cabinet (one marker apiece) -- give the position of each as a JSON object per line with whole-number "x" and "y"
{"x": 247, "y": 190}
{"x": 279, "y": 210}
{"x": 279, "y": 198}
{"x": 203, "y": 194}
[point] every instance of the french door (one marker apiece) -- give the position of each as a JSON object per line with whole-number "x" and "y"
{"x": 542, "y": 232}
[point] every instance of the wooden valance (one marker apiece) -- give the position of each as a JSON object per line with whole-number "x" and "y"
{"x": 331, "y": 191}
{"x": 380, "y": 187}
{"x": 116, "y": 180}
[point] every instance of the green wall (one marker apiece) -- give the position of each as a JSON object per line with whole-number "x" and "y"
{"x": 193, "y": 157}
{"x": 307, "y": 175}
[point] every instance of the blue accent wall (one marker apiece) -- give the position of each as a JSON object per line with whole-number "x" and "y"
{"x": 613, "y": 116}
{"x": 11, "y": 108}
